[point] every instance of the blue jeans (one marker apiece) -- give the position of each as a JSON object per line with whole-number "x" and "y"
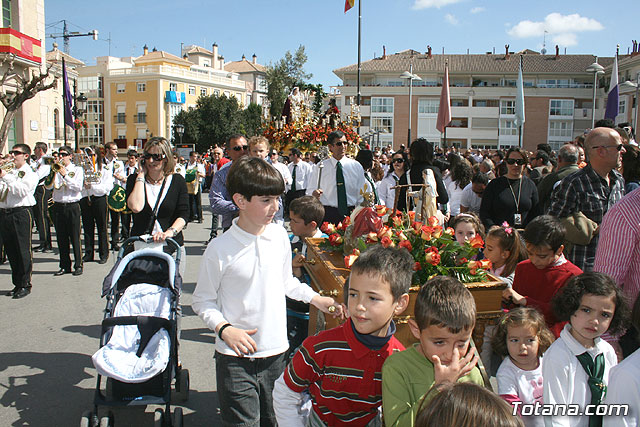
{"x": 245, "y": 386}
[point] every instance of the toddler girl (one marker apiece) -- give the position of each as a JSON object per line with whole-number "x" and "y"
{"x": 522, "y": 336}
{"x": 467, "y": 226}
{"x": 504, "y": 248}
{"x": 576, "y": 367}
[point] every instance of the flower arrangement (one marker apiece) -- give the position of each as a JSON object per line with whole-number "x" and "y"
{"x": 434, "y": 248}
{"x": 79, "y": 124}
{"x": 307, "y": 136}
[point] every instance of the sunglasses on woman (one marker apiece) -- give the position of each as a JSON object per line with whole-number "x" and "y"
{"x": 519, "y": 162}
{"x": 155, "y": 157}
{"x": 398, "y": 160}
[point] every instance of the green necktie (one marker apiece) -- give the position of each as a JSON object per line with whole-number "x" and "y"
{"x": 293, "y": 178}
{"x": 342, "y": 191}
{"x": 595, "y": 371}
{"x": 373, "y": 188}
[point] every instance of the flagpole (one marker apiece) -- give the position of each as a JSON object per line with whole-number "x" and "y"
{"x": 444, "y": 143}
{"x": 359, "y": 51}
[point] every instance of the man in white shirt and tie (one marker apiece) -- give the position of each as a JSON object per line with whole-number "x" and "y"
{"x": 42, "y": 197}
{"x": 130, "y": 167}
{"x": 117, "y": 170}
{"x": 300, "y": 172}
{"x": 341, "y": 180}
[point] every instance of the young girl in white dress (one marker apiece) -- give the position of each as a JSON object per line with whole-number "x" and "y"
{"x": 576, "y": 367}
{"x": 522, "y": 336}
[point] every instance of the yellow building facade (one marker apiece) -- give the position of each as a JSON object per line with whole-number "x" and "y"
{"x": 132, "y": 99}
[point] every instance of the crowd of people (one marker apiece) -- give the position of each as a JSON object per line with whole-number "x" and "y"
{"x": 560, "y": 229}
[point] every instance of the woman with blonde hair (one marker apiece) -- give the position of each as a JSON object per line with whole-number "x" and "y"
{"x": 156, "y": 196}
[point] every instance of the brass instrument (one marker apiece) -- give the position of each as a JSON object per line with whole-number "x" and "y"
{"x": 56, "y": 167}
{"x": 48, "y": 160}
{"x": 86, "y": 161}
{"x": 8, "y": 166}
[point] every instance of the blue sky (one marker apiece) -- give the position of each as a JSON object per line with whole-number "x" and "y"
{"x": 270, "y": 28}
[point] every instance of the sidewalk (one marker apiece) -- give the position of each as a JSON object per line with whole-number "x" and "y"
{"x": 47, "y": 339}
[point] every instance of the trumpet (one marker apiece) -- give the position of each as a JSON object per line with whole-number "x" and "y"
{"x": 56, "y": 167}
{"x": 8, "y": 166}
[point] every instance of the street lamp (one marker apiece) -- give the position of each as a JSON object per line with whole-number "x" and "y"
{"x": 632, "y": 85}
{"x": 596, "y": 69}
{"x": 78, "y": 110}
{"x": 180, "y": 131}
{"x": 411, "y": 77}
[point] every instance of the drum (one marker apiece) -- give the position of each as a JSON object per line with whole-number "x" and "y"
{"x": 117, "y": 200}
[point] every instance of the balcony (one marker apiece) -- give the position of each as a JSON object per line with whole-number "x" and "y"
{"x": 120, "y": 118}
{"x": 140, "y": 118}
{"x": 27, "y": 50}
{"x": 210, "y": 77}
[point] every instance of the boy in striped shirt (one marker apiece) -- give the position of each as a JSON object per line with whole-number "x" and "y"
{"x": 341, "y": 368}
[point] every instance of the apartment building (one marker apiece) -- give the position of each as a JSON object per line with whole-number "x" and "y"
{"x": 558, "y": 97}
{"x": 21, "y": 34}
{"x": 256, "y": 77}
{"x": 132, "y": 99}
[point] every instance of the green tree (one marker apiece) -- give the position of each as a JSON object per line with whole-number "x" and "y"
{"x": 215, "y": 119}
{"x": 283, "y": 76}
{"x": 252, "y": 119}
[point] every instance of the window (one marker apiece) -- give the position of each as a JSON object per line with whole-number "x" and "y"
{"x": 559, "y": 128}
{"x": 6, "y": 13}
{"x": 120, "y": 88}
{"x": 227, "y": 94}
{"x": 95, "y": 134}
{"x": 141, "y": 87}
{"x": 460, "y": 102}
{"x": 485, "y": 103}
{"x": 122, "y": 134}
{"x": 459, "y": 122}
{"x": 192, "y": 90}
{"x": 94, "y": 111}
{"x": 120, "y": 114}
{"x": 561, "y": 107}
{"x": 141, "y": 114}
{"x": 507, "y": 106}
{"x": 384, "y": 124}
{"x": 261, "y": 83}
{"x": 428, "y": 106}
{"x": 622, "y": 104}
{"x": 508, "y": 127}
{"x": 56, "y": 130}
{"x": 216, "y": 92}
{"x": 203, "y": 91}
{"x": 382, "y": 105}
{"x": 173, "y": 87}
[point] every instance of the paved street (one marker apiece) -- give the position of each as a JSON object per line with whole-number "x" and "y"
{"x": 47, "y": 339}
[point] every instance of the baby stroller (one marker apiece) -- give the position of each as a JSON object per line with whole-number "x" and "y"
{"x": 138, "y": 352}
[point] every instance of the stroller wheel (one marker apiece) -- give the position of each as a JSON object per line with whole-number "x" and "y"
{"x": 89, "y": 419}
{"x": 158, "y": 418}
{"x": 107, "y": 421}
{"x": 177, "y": 417}
{"x": 182, "y": 385}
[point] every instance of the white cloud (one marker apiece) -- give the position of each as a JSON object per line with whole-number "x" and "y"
{"x": 562, "y": 28}
{"x": 451, "y": 19}
{"x": 425, "y": 4}
{"x": 477, "y": 10}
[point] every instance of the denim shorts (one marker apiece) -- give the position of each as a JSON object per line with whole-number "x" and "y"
{"x": 245, "y": 387}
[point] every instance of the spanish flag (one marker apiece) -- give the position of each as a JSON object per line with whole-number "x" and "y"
{"x": 348, "y": 4}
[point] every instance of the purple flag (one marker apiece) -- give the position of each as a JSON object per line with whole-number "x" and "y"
{"x": 612, "y": 97}
{"x": 68, "y": 100}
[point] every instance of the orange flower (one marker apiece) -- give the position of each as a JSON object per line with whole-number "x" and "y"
{"x": 417, "y": 266}
{"x": 416, "y": 226}
{"x": 372, "y": 237}
{"x": 346, "y": 221}
{"x": 401, "y": 235}
{"x": 328, "y": 228}
{"x": 476, "y": 242}
{"x": 433, "y": 221}
{"x": 437, "y": 232}
{"x": 335, "y": 239}
{"x": 397, "y": 221}
{"x": 450, "y": 231}
{"x": 386, "y": 242}
{"x": 412, "y": 215}
{"x": 405, "y": 244}
{"x": 385, "y": 231}
{"x": 432, "y": 258}
{"x": 426, "y": 232}
{"x": 381, "y": 210}
{"x": 350, "y": 259}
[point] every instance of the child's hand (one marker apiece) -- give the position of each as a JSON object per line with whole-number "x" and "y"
{"x": 239, "y": 340}
{"x": 328, "y": 305}
{"x": 456, "y": 369}
{"x": 298, "y": 261}
{"x": 317, "y": 193}
{"x": 509, "y": 295}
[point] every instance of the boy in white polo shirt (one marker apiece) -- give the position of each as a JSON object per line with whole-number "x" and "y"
{"x": 240, "y": 294}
